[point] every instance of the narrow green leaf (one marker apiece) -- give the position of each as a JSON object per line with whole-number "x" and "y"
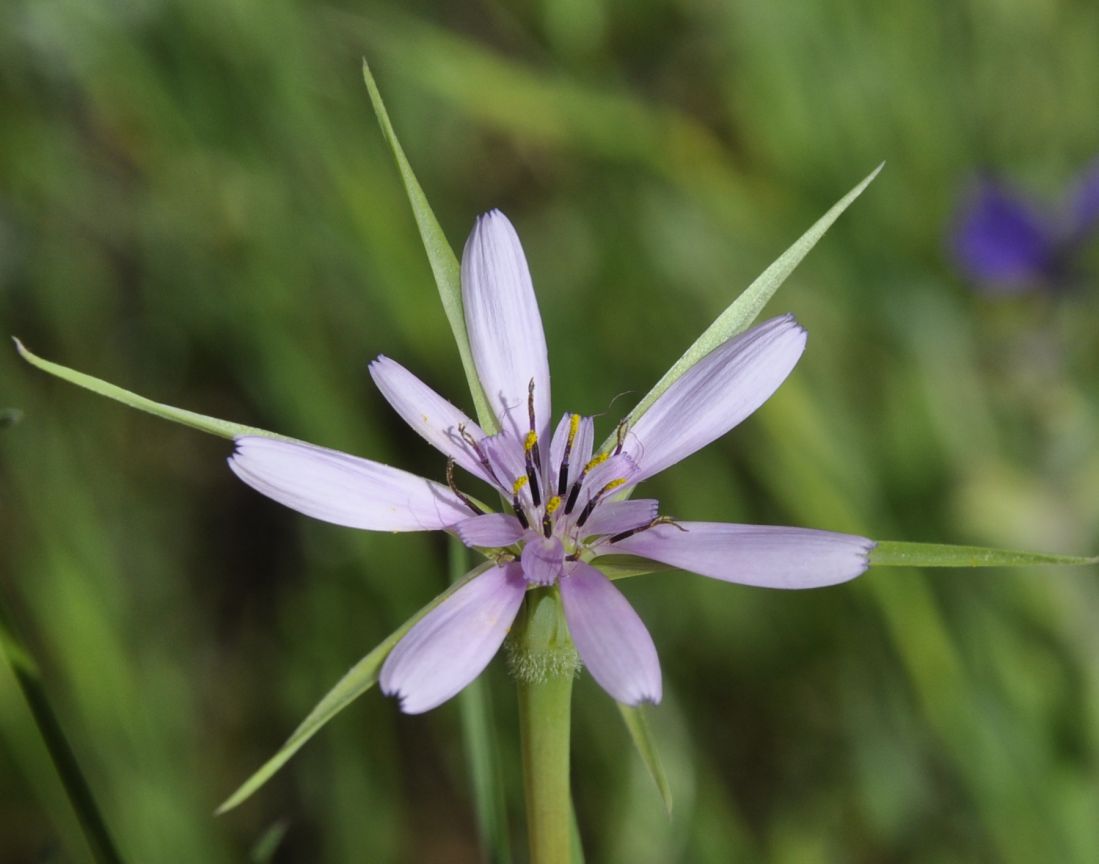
{"x": 77, "y": 788}
{"x": 360, "y": 678}
{"x": 638, "y": 725}
{"x": 900, "y": 553}
{"x": 213, "y": 425}
{"x": 444, "y": 264}
{"x": 744, "y": 309}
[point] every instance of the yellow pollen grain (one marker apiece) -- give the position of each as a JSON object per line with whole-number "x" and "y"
{"x": 614, "y": 484}
{"x": 518, "y": 485}
{"x": 532, "y": 439}
{"x": 598, "y": 459}
{"x": 553, "y": 504}
{"x": 574, "y": 425}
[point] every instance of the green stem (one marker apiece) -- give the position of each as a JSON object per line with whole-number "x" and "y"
{"x": 544, "y": 662}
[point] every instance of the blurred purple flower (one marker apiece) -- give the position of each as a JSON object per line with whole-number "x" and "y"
{"x": 1008, "y": 243}
{"x": 565, "y": 511}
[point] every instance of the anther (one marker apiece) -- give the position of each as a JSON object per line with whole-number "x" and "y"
{"x": 563, "y": 472}
{"x": 532, "y": 476}
{"x": 586, "y": 512}
{"x": 547, "y": 519}
{"x": 595, "y": 499}
{"x": 458, "y": 492}
{"x": 520, "y": 514}
{"x": 574, "y": 493}
{"x": 597, "y": 459}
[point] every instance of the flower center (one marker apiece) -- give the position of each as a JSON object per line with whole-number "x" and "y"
{"x": 558, "y": 508}
{"x": 562, "y": 497}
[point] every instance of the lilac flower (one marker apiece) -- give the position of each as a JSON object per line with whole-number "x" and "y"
{"x": 565, "y": 508}
{"x": 1009, "y": 244}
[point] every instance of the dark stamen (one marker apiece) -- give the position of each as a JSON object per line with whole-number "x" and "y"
{"x": 535, "y": 486}
{"x": 458, "y": 492}
{"x": 586, "y": 512}
{"x": 475, "y": 446}
{"x": 563, "y": 477}
{"x": 659, "y": 520}
{"x": 597, "y": 459}
{"x": 595, "y": 499}
{"x": 563, "y": 473}
{"x": 530, "y": 404}
{"x": 547, "y": 519}
{"x": 621, "y": 434}
{"x": 533, "y": 437}
{"x": 574, "y": 493}
{"x": 519, "y": 514}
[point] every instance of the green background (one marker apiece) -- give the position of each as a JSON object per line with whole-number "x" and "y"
{"x": 196, "y": 203}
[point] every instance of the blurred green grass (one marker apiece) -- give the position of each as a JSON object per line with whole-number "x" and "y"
{"x": 195, "y": 203}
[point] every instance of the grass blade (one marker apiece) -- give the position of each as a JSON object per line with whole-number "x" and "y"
{"x": 76, "y": 786}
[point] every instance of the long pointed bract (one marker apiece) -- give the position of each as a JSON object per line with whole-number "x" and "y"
{"x": 360, "y": 678}
{"x": 739, "y": 314}
{"x": 444, "y": 263}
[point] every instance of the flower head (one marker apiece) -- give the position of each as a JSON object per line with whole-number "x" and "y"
{"x": 1009, "y": 244}
{"x": 566, "y": 504}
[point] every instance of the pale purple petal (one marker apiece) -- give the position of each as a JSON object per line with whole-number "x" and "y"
{"x": 613, "y": 517}
{"x": 343, "y": 489}
{"x": 715, "y": 394}
{"x": 492, "y": 529}
{"x": 579, "y": 455}
{"x": 542, "y": 560}
{"x": 610, "y": 637}
{"x": 454, "y": 642}
{"x": 621, "y": 466}
{"x": 505, "y": 328}
{"x": 761, "y": 555}
{"x": 428, "y": 413}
